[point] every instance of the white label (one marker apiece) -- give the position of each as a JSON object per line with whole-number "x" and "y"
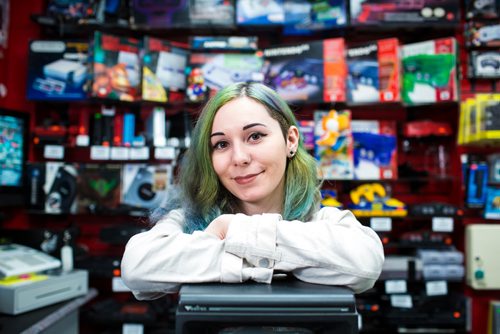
{"x": 381, "y": 224}
{"x": 442, "y": 224}
{"x": 53, "y": 152}
{"x": 99, "y": 152}
{"x": 395, "y": 286}
{"x": 403, "y": 301}
{"x": 132, "y": 329}
{"x": 436, "y": 288}
{"x": 165, "y": 153}
{"x": 120, "y": 153}
{"x": 82, "y": 140}
{"x": 139, "y": 153}
{"x": 117, "y": 285}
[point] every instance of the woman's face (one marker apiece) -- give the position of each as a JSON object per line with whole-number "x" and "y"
{"x": 249, "y": 154}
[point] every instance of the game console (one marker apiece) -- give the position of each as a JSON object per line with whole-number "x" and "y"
{"x": 35, "y": 291}
{"x": 18, "y": 259}
{"x": 484, "y": 64}
{"x": 66, "y": 70}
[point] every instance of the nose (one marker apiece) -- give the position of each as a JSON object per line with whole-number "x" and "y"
{"x": 241, "y": 155}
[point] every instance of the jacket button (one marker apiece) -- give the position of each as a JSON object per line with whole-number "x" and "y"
{"x": 263, "y": 263}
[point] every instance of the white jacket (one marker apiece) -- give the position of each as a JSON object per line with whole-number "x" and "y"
{"x": 333, "y": 248}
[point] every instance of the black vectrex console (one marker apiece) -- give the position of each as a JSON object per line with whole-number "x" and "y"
{"x": 287, "y": 306}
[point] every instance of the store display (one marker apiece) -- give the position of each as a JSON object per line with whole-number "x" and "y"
{"x": 258, "y": 12}
{"x": 427, "y": 11}
{"x": 163, "y": 71}
{"x": 375, "y": 149}
{"x": 304, "y": 17}
{"x": 424, "y": 204}
{"x": 333, "y": 146}
{"x": 57, "y": 70}
{"x": 115, "y": 70}
{"x": 429, "y": 71}
{"x": 307, "y": 72}
{"x": 374, "y": 72}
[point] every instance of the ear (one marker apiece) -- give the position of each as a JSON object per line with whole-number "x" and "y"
{"x": 292, "y": 139}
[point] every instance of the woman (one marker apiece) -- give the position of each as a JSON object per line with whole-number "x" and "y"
{"x": 247, "y": 187}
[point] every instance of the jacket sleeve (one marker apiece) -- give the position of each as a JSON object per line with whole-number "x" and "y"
{"x": 334, "y": 248}
{"x": 157, "y": 261}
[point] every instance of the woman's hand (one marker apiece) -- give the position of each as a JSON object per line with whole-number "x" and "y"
{"x": 219, "y": 226}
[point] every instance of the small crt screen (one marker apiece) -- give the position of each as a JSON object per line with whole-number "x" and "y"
{"x": 11, "y": 150}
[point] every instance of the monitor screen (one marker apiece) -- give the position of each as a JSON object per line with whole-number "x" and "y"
{"x": 13, "y": 151}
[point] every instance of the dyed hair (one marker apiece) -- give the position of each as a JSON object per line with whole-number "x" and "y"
{"x": 204, "y": 198}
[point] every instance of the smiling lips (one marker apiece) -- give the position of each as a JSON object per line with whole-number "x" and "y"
{"x": 246, "y": 179}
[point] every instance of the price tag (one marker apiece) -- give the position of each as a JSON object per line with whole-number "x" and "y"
{"x": 436, "y": 288}
{"x": 165, "y": 153}
{"x": 99, "y": 153}
{"x": 117, "y": 285}
{"x": 139, "y": 153}
{"x": 403, "y": 301}
{"x": 442, "y": 224}
{"x": 120, "y": 153}
{"x": 53, "y": 152}
{"x": 132, "y": 329}
{"x": 82, "y": 140}
{"x": 381, "y": 224}
{"x": 395, "y": 286}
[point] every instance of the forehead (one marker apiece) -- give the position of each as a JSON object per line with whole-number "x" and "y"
{"x": 241, "y": 111}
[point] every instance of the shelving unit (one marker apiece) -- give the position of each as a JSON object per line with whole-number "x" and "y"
{"x": 417, "y": 183}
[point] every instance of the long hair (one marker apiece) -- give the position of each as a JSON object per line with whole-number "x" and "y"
{"x": 203, "y": 197}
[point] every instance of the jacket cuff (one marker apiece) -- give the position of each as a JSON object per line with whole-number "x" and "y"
{"x": 231, "y": 268}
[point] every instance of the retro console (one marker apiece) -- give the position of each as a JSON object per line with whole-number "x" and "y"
{"x": 40, "y": 290}
{"x": 285, "y": 306}
{"x": 18, "y": 259}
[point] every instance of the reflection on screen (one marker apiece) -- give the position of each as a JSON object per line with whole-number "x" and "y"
{"x": 11, "y": 150}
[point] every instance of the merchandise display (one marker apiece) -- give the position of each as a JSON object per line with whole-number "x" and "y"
{"x": 374, "y": 72}
{"x": 396, "y": 100}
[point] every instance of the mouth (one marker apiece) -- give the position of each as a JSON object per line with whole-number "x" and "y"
{"x": 246, "y": 178}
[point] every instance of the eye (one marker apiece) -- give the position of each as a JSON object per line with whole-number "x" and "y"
{"x": 220, "y": 145}
{"x": 255, "y": 136}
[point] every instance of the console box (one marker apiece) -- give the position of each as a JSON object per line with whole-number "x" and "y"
{"x": 57, "y": 70}
{"x": 307, "y": 72}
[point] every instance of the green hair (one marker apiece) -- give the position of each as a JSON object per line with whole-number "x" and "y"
{"x": 203, "y": 194}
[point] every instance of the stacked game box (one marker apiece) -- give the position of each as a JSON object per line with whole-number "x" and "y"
{"x": 163, "y": 70}
{"x": 57, "y": 70}
{"x": 115, "y": 67}
{"x": 216, "y": 62}
{"x": 307, "y": 72}
{"x": 333, "y": 145}
{"x": 307, "y": 17}
{"x": 160, "y": 14}
{"x": 369, "y": 12}
{"x": 260, "y": 12}
{"x": 211, "y": 13}
{"x": 429, "y": 71}
{"x": 373, "y": 72}
{"x": 375, "y": 149}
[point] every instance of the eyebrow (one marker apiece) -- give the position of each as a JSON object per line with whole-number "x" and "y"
{"x": 246, "y": 127}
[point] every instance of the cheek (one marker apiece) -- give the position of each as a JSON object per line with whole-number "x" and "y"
{"x": 218, "y": 164}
